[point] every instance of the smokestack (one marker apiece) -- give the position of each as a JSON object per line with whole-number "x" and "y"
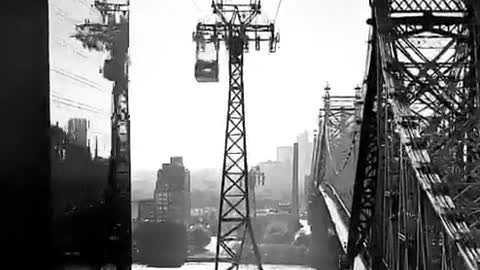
{"x": 96, "y": 147}
{"x": 295, "y": 182}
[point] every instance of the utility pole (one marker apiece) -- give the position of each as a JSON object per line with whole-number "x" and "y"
{"x": 113, "y": 34}
{"x": 235, "y": 26}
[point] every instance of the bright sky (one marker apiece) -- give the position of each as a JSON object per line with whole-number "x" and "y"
{"x": 172, "y": 114}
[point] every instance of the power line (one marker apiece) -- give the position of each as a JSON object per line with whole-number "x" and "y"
{"x": 78, "y": 78}
{"x": 57, "y": 100}
{"x": 278, "y": 8}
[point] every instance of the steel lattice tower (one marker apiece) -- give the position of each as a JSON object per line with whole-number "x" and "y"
{"x": 236, "y": 28}
{"x": 339, "y": 114}
{"x": 234, "y": 199}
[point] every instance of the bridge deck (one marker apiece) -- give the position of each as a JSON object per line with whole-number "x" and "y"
{"x": 341, "y": 229}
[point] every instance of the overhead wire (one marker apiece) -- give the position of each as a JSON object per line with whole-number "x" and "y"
{"x": 278, "y": 9}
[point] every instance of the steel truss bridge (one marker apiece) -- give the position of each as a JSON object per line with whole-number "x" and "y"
{"x": 409, "y": 141}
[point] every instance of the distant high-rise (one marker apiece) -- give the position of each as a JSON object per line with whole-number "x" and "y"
{"x": 305, "y": 149}
{"x": 284, "y": 154}
{"x": 77, "y": 131}
{"x": 176, "y": 161}
{"x": 172, "y": 192}
{"x": 278, "y": 177}
{"x": 146, "y": 210}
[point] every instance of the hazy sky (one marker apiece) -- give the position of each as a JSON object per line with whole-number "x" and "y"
{"x": 172, "y": 114}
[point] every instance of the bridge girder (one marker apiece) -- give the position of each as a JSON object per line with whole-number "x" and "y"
{"x": 420, "y": 139}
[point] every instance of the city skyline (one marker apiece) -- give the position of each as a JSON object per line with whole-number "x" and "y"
{"x": 274, "y": 157}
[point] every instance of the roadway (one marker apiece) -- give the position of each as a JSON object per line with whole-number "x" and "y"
{"x": 337, "y": 212}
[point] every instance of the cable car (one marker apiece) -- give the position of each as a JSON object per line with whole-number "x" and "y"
{"x": 206, "y": 65}
{"x": 112, "y": 70}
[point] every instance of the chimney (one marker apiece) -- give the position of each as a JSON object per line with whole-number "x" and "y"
{"x": 96, "y": 147}
{"x": 295, "y": 182}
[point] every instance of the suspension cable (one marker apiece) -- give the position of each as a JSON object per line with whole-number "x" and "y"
{"x": 350, "y": 152}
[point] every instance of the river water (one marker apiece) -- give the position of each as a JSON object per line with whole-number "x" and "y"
{"x": 211, "y": 266}
{"x": 210, "y": 252}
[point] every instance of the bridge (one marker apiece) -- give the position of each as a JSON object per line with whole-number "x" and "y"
{"x": 395, "y": 167}
{"x": 396, "y": 163}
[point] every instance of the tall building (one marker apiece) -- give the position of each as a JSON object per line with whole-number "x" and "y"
{"x": 278, "y": 179}
{"x": 305, "y": 150}
{"x": 78, "y": 131}
{"x": 146, "y": 210}
{"x": 172, "y": 192}
{"x": 284, "y": 154}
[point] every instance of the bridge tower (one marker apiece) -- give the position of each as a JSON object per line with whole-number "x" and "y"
{"x": 236, "y": 24}
{"x": 334, "y": 153}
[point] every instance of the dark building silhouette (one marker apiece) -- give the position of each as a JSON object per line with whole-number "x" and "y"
{"x": 78, "y": 131}
{"x": 172, "y": 192}
{"x": 78, "y": 184}
{"x": 160, "y": 235}
{"x": 146, "y": 210}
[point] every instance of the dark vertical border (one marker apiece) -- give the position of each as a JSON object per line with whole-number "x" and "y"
{"x": 24, "y": 142}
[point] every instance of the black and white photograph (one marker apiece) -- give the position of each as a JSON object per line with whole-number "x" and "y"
{"x": 241, "y": 134}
